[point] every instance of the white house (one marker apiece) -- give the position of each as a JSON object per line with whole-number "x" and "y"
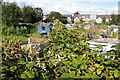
{"x": 107, "y": 20}
{"x": 99, "y": 20}
{"x": 76, "y": 20}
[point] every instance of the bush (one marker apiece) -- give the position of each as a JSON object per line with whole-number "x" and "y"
{"x": 17, "y": 31}
{"x": 4, "y": 29}
{"x": 11, "y": 30}
{"x": 67, "y": 56}
{"x": 23, "y": 31}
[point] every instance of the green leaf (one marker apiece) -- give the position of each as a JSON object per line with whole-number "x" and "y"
{"x": 24, "y": 76}
{"x": 30, "y": 64}
{"x": 60, "y": 69}
{"x": 109, "y": 67}
{"x": 83, "y": 66}
{"x": 13, "y": 68}
{"x": 98, "y": 71}
{"x": 97, "y": 65}
{"x": 72, "y": 73}
{"x": 68, "y": 75}
{"x": 4, "y": 68}
{"x": 21, "y": 62}
{"x": 30, "y": 74}
{"x": 110, "y": 77}
{"x": 3, "y": 75}
{"x": 116, "y": 73}
{"x": 65, "y": 75}
{"x": 94, "y": 76}
{"x": 88, "y": 75}
{"x": 107, "y": 62}
{"x": 101, "y": 67}
{"x": 83, "y": 77}
{"x": 61, "y": 46}
{"x": 51, "y": 65}
{"x": 76, "y": 49}
{"x": 84, "y": 55}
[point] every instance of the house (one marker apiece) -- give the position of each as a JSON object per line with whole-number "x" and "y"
{"x": 76, "y": 20}
{"x": 100, "y": 17}
{"x": 84, "y": 17}
{"x": 99, "y": 20}
{"x": 76, "y": 17}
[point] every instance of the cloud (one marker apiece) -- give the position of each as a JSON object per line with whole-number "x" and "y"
{"x": 71, "y": 6}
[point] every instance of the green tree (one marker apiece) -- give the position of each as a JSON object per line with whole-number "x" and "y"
{"x": 118, "y": 19}
{"x": 114, "y": 19}
{"x": 31, "y": 15}
{"x": 11, "y": 13}
{"x": 38, "y": 14}
{"x": 76, "y": 13}
{"x": 28, "y": 14}
{"x": 56, "y": 15}
{"x": 103, "y": 20}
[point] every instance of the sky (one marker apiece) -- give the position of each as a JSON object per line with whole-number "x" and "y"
{"x": 72, "y": 6}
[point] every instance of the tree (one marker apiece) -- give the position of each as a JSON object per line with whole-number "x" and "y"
{"x": 28, "y": 14}
{"x": 38, "y": 14}
{"x": 11, "y": 13}
{"x": 32, "y": 15}
{"x": 118, "y": 19}
{"x": 103, "y": 20}
{"x": 114, "y": 19}
{"x": 56, "y": 15}
{"x": 76, "y": 13}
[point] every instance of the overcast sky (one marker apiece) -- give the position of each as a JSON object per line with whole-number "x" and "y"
{"x": 71, "y": 6}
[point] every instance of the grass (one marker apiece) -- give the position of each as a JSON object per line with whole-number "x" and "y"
{"x": 35, "y": 34}
{"x": 22, "y": 38}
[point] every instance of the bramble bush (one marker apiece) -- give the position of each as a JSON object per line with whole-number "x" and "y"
{"x": 67, "y": 57}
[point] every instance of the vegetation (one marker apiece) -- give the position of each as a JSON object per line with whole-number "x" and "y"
{"x": 115, "y": 19}
{"x": 12, "y": 14}
{"x": 22, "y": 38}
{"x": 67, "y": 57}
{"x": 18, "y": 31}
{"x": 56, "y": 15}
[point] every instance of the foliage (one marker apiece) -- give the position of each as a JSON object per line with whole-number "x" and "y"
{"x": 38, "y": 14}
{"x": 21, "y": 38}
{"x": 8, "y": 30}
{"x": 76, "y": 13}
{"x": 11, "y": 53}
{"x": 31, "y": 15}
{"x": 11, "y": 30}
{"x": 56, "y": 15}
{"x": 115, "y": 19}
{"x": 4, "y": 30}
{"x": 104, "y": 20}
{"x": 67, "y": 57}
{"x": 11, "y": 13}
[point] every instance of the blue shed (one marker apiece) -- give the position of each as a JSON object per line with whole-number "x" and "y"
{"x": 43, "y": 30}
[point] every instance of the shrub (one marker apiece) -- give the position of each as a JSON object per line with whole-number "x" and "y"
{"x": 67, "y": 56}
